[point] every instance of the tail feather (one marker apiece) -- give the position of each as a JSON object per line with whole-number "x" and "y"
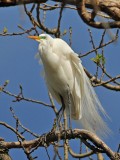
{"x": 91, "y": 108}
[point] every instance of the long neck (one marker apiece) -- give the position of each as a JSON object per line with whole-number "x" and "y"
{"x": 48, "y": 57}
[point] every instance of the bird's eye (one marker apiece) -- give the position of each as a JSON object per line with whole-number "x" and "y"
{"x": 42, "y": 37}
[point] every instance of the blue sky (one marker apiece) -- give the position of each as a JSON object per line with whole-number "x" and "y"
{"x": 19, "y": 66}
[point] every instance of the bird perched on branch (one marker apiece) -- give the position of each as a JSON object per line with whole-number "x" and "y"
{"x": 66, "y": 80}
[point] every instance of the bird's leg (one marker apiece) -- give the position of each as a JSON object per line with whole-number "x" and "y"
{"x": 69, "y": 106}
{"x": 61, "y": 110}
{"x": 66, "y": 105}
{"x": 60, "y": 114}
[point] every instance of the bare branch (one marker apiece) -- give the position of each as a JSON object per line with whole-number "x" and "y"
{"x": 40, "y": 24}
{"x": 12, "y": 129}
{"x": 8, "y": 3}
{"x": 82, "y": 155}
{"x": 22, "y": 98}
{"x": 88, "y": 18}
{"x": 48, "y": 7}
{"x": 103, "y": 83}
{"x": 101, "y": 45}
{"x": 19, "y": 33}
{"x": 20, "y": 124}
{"x": 4, "y": 155}
{"x": 85, "y": 136}
{"x": 109, "y": 7}
{"x": 100, "y": 156}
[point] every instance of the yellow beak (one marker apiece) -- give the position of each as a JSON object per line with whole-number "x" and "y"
{"x": 37, "y": 38}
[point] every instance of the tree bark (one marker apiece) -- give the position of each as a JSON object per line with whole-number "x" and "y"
{"x": 109, "y": 7}
{"x": 84, "y": 135}
{"x": 4, "y": 156}
{"x": 112, "y": 5}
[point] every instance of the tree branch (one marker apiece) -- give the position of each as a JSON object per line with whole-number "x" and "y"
{"x": 103, "y": 83}
{"x": 88, "y": 17}
{"x": 8, "y": 3}
{"x": 12, "y": 129}
{"x": 20, "y": 97}
{"x": 111, "y": 8}
{"x": 47, "y": 139}
{"x": 82, "y": 155}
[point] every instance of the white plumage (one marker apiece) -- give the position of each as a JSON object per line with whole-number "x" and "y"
{"x": 64, "y": 73}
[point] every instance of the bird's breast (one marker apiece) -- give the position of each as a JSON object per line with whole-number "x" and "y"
{"x": 59, "y": 76}
{"x": 58, "y": 70}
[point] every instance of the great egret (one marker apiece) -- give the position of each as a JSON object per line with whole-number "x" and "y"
{"x": 65, "y": 75}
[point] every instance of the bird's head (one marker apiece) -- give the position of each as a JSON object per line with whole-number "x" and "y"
{"x": 41, "y": 37}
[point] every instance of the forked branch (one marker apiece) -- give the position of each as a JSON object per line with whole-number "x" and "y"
{"x": 88, "y": 138}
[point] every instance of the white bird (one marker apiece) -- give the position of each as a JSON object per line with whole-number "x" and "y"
{"x": 65, "y": 76}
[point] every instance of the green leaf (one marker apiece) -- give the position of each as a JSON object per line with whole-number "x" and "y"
{"x": 5, "y": 30}
{"x": 99, "y": 59}
{"x": 65, "y": 31}
{"x": 7, "y": 81}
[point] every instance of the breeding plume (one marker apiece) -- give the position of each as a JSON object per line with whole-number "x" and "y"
{"x": 66, "y": 79}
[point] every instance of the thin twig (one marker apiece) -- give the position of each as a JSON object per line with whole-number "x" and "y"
{"x": 59, "y": 20}
{"x": 57, "y": 6}
{"x": 25, "y": 99}
{"x": 99, "y": 47}
{"x": 19, "y": 33}
{"x": 20, "y": 124}
{"x": 12, "y": 129}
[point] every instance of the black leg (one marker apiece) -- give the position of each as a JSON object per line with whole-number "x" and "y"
{"x": 61, "y": 110}
{"x": 66, "y": 105}
{"x": 69, "y": 107}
